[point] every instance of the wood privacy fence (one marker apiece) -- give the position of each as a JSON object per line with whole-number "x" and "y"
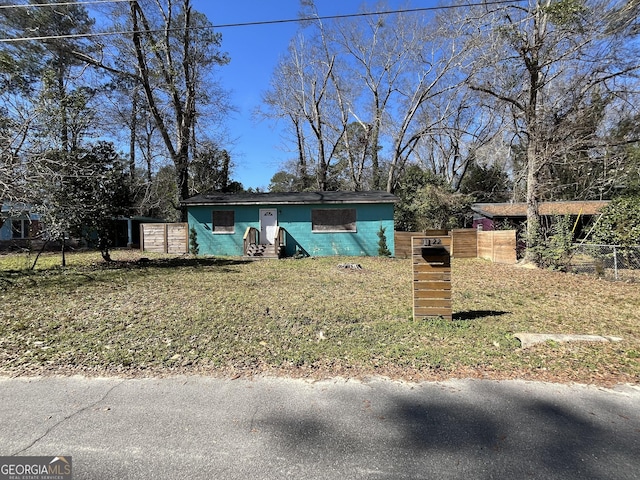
{"x": 164, "y": 237}
{"x": 499, "y": 246}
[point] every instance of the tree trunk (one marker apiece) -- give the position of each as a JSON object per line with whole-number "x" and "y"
{"x": 533, "y": 200}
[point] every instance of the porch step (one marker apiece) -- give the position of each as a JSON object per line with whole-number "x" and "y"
{"x": 261, "y": 251}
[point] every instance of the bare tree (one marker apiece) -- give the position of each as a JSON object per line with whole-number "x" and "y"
{"x": 382, "y": 72}
{"x": 169, "y": 65}
{"x": 173, "y": 49}
{"x": 542, "y": 63}
{"x": 303, "y": 93}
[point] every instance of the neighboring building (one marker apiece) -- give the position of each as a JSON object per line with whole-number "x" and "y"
{"x": 490, "y": 216}
{"x": 126, "y": 230}
{"x": 19, "y": 226}
{"x": 286, "y": 224}
{"x": 22, "y": 228}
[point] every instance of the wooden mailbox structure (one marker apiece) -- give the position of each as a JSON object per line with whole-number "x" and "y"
{"x": 431, "y": 258}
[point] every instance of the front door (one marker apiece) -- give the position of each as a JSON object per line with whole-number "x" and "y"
{"x": 268, "y": 223}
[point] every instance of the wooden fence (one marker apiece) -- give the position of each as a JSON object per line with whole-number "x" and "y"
{"x": 464, "y": 243}
{"x": 499, "y": 246}
{"x": 164, "y": 237}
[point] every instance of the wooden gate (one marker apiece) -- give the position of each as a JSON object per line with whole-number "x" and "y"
{"x": 164, "y": 237}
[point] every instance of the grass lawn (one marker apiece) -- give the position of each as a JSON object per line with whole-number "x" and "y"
{"x": 307, "y": 318}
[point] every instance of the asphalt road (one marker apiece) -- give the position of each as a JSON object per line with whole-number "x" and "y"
{"x": 272, "y": 428}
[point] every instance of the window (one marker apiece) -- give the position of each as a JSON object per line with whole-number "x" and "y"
{"x": 223, "y": 221}
{"x": 333, "y": 220}
{"x": 19, "y": 228}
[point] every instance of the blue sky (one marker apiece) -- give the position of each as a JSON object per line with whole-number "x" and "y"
{"x": 254, "y": 50}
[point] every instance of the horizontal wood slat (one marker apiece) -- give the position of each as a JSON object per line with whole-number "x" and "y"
{"x": 433, "y": 312}
{"x": 431, "y": 277}
{"x": 164, "y": 237}
{"x": 432, "y": 303}
{"x": 431, "y": 263}
{"x": 427, "y": 285}
{"x": 426, "y": 294}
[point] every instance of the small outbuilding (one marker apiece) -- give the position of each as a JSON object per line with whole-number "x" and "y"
{"x": 488, "y": 216}
{"x": 292, "y": 223}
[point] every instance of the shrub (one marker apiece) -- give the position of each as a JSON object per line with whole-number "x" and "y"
{"x": 619, "y": 223}
{"x": 194, "y": 248}
{"x": 383, "y": 250}
{"x": 554, "y": 246}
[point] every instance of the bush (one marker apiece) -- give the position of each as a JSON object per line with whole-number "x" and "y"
{"x": 554, "y": 247}
{"x": 619, "y": 223}
{"x": 383, "y": 250}
{"x": 194, "y": 248}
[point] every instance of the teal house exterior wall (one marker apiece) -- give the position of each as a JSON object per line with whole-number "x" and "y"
{"x": 296, "y": 220}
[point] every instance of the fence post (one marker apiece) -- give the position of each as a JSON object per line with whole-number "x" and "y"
{"x": 615, "y": 262}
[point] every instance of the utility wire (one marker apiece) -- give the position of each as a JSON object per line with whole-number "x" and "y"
{"x": 257, "y": 23}
{"x": 59, "y": 4}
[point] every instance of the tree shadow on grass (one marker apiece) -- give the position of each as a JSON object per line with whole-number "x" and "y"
{"x": 174, "y": 262}
{"x": 75, "y": 276}
{"x": 469, "y": 315}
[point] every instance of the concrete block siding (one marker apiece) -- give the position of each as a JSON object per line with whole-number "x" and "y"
{"x": 296, "y": 220}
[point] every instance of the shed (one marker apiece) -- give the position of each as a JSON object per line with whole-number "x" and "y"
{"x": 290, "y": 223}
{"x": 487, "y": 216}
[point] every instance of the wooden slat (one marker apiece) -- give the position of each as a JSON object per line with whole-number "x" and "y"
{"x": 432, "y": 302}
{"x": 433, "y": 312}
{"x": 427, "y": 285}
{"x": 464, "y": 243}
{"x": 164, "y": 237}
{"x": 431, "y": 294}
{"x": 432, "y": 277}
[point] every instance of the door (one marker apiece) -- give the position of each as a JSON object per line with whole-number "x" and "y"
{"x": 268, "y": 223}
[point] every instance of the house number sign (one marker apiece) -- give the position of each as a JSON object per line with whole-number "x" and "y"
{"x": 431, "y": 242}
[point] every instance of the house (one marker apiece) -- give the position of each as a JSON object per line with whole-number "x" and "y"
{"x": 491, "y": 216}
{"x": 21, "y": 227}
{"x": 18, "y": 225}
{"x": 291, "y": 223}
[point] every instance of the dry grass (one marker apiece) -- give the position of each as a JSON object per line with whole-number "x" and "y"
{"x": 307, "y": 317}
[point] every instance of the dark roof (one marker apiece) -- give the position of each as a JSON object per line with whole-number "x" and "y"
{"x": 290, "y": 198}
{"x": 519, "y": 209}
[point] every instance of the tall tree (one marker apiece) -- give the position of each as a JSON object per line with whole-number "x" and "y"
{"x": 48, "y": 62}
{"x": 542, "y": 63}
{"x": 381, "y": 72}
{"x": 404, "y": 63}
{"x": 172, "y": 49}
{"x": 303, "y": 93}
{"x": 45, "y": 96}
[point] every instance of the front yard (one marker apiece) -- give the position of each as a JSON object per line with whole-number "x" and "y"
{"x": 307, "y": 318}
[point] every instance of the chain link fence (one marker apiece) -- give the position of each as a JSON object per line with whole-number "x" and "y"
{"x": 607, "y": 261}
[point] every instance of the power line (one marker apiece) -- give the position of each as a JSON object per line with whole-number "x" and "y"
{"x": 252, "y": 24}
{"x": 59, "y": 4}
